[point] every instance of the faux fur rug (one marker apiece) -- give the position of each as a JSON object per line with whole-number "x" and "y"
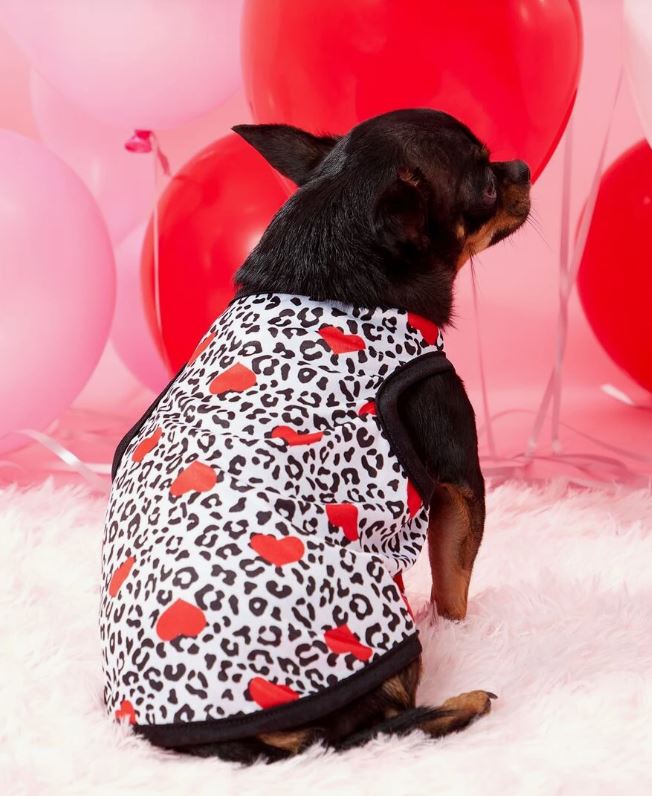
{"x": 559, "y": 626}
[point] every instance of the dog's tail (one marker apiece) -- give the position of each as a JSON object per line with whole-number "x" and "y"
{"x": 453, "y": 715}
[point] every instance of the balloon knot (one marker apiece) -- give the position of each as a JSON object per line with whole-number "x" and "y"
{"x": 140, "y": 141}
{"x": 144, "y": 141}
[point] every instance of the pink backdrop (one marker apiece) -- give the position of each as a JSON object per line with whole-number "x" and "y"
{"x": 517, "y": 284}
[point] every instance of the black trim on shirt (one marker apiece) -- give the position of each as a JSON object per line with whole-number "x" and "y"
{"x": 291, "y": 715}
{"x": 428, "y": 364}
{"x": 124, "y": 442}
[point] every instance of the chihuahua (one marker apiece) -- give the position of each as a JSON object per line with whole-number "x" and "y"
{"x": 265, "y": 507}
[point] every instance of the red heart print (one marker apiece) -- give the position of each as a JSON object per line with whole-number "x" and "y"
{"x": 197, "y": 477}
{"x": 268, "y": 694}
{"x": 342, "y": 640}
{"x": 428, "y": 329}
{"x": 344, "y": 516}
{"x": 126, "y": 711}
{"x": 414, "y": 501}
{"x": 119, "y": 576}
{"x": 367, "y": 409}
{"x": 293, "y": 437}
{"x": 340, "y": 342}
{"x": 407, "y": 605}
{"x": 237, "y": 378}
{"x": 286, "y": 550}
{"x": 398, "y": 579}
{"x": 146, "y": 445}
{"x": 201, "y": 347}
{"x": 180, "y": 619}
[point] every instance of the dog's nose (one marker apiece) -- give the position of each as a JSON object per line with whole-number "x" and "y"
{"x": 518, "y": 171}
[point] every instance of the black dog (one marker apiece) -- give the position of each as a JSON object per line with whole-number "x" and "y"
{"x": 385, "y": 217}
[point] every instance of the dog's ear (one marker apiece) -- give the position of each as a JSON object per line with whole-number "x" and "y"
{"x": 401, "y": 213}
{"x": 293, "y": 152}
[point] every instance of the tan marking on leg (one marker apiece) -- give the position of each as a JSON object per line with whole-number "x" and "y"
{"x": 476, "y": 702}
{"x": 458, "y": 712}
{"x": 293, "y": 741}
{"x": 453, "y": 541}
{"x": 394, "y": 690}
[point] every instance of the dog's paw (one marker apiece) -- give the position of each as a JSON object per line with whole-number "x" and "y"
{"x": 475, "y": 703}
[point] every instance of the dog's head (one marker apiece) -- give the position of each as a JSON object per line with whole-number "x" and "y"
{"x": 413, "y": 191}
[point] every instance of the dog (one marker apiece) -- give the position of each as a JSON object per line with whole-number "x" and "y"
{"x": 264, "y": 508}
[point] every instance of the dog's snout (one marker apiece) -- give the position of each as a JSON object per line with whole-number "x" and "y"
{"x": 518, "y": 171}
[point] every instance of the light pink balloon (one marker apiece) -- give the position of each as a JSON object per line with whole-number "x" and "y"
{"x": 122, "y": 182}
{"x": 15, "y": 108}
{"x": 113, "y": 392}
{"x": 57, "y": 289}
{"x": 136, "y": 63}
{"x": 130, "y": 332}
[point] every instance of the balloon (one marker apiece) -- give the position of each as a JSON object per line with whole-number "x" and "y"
{"x": 121, "y": 182}
{"x": 58, "y": 286}
{"x": 130, "y": 333}
{"x": 507, "y": 69}
{"x": 615, "y": 277}
{"x": 112, "y": 390}
{"x": 15, "y": 108}
{"x": 138, "y": 63}
{"x": 638, "y": 57}
{"x": 211, "y": 216}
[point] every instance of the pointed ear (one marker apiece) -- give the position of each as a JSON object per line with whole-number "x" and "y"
{"x": 401, "y": 213}
{"x": 290, "y": 150}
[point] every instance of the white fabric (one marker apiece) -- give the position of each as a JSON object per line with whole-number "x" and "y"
{"x": 558, "y": 627}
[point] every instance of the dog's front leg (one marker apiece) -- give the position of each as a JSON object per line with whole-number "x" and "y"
{"x": 441, "y": 424}
{"x": 455, "y": 529}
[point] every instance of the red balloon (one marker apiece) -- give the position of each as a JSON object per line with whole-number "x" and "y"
{"x": 615, "y": 276}
{"x": 507, "y": 68}
{"x": 211, "y": 216}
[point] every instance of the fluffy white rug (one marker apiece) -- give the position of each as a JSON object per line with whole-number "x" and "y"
{"x": 559, "y": 626}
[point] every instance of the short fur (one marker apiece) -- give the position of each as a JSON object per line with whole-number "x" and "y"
{"x": 385, "y": 216}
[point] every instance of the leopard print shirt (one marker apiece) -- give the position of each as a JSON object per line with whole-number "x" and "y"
{"x": 260, "y": 516}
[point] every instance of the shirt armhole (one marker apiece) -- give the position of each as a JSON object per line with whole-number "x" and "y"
{"x": 124, "y": 442}
{"x": 387, "y": 399}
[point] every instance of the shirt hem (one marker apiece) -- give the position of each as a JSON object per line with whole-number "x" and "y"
{"x": 303, "y": 711}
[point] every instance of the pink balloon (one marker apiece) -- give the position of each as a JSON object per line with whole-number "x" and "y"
{"x": 130, "y": 333}
{"x": 135, "y": 63}
{"x": 58, "y": 286}
{"x": 113, "y": 392}
{"x": 122, "y": 182}
{"x": 15, "y": 108}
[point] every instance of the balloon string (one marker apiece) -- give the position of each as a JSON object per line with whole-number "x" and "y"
{"x": 155, "y": 245}
{"x": 595, "y": 440}
{"x": 564, "y": 288}
{"x": 145, "y": 141}
{"x": 620, "y": 395}
{"x": 567, "y": 279}
{"x": 483, "y": 381}
{"x": 511, "y": 469}
{"x": 91, "y": 472}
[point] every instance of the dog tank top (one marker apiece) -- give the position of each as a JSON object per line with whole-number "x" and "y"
{"x": 261, "y": 514}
